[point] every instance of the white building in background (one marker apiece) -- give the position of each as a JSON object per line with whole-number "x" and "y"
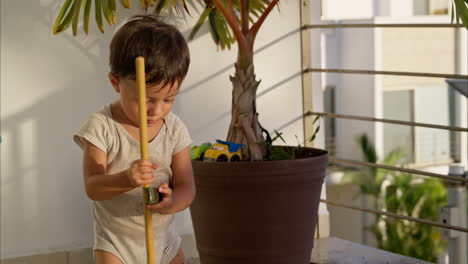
{"x": 417, "y": 99}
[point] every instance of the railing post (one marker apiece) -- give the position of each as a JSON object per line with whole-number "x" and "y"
{"x": 455, "y": 213}
{"x": 306, "y": 61}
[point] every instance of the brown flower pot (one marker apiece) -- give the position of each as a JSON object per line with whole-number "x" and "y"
{"x": 258, "y": 212}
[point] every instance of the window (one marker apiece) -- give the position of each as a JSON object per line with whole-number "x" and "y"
{"x": 431, "y": 7}
{"x": 424, "y": 104}
{"x": 432, "y": 106}
{"x": 399, "y": 105}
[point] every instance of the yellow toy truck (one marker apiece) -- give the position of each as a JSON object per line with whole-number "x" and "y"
{"x": 223, "y": 151}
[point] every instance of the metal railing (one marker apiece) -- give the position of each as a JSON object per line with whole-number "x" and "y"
{"x": 389, "y": 121}
{"x": 394, "y": 25}
{"x": 307, "y": 88}
{"x": 397, "y": 216}
{"x": 334, "y": 160}
{"x": 395, "y": 73}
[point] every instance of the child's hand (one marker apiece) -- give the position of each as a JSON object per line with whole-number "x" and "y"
{"x": 141, "y": 172}
{"x": 164, "y": 206}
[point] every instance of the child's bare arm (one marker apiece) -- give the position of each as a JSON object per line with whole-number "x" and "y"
{"x": 183, "y": 192}
{"x": 102, "y": 186}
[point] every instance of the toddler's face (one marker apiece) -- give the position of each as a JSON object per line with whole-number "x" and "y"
{"x": 159, "y": 99}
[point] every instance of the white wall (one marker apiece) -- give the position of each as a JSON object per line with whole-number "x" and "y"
{"x": 355, "y": 93}
{"x": 345, "y": 9}
{"x": 361, "y": 9}
{"x": 400, "y": 8}
{"x": 50, "y": 84}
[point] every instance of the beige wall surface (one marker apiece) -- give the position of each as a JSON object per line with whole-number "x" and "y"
{"x": 430, "y": 50}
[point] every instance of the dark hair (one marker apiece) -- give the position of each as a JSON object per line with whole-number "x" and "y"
{"x": 164, "y": 48}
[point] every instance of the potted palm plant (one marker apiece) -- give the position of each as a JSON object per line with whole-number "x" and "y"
{"x": 256, "y": 210}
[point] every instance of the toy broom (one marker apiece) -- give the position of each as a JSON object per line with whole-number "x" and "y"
{"x": 141, "y": 83}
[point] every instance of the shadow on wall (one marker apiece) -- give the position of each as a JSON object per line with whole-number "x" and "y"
{"x": 44, "y": 206}
{"x": 226, "y": 114}
{"x": 201, "y": 83}
{"x": 231, "y": 66}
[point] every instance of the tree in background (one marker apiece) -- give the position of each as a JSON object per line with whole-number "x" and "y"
{"x": 403, "y": 194}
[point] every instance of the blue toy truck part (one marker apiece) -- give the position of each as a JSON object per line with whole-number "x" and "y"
{"x": 233, "y": 147}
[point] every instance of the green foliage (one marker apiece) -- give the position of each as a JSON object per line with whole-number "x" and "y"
{"x": 403, "y": 194}
{"x": 221, "y": 32}
{"x": 460, "y": 12}
{"x": 417, "y": 198}
{"x": 317, "y": 129}
{"x": 196, "y": 152}
{"x": 279, "y": 153}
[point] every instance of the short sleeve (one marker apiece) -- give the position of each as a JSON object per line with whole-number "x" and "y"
{"x": 181, "y": 136}
{"x": 95, "y": 131}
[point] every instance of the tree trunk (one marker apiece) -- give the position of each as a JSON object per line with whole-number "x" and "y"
{"x": 245, "y": 127}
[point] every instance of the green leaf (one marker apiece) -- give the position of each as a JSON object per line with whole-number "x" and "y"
{"x": 109, "y": 10}
{"x": 161, "y": 6}
{"x": 278, "y": 135}
{"x": 200, "y": 22}
{"x": 125, "y": 3}
{"x": 76, "y": 15}
{"x": 312, "y": 138}
{"x": 59, "y": 20}
{"x": 86, "y": 15}
{"x": 461, "y": 12}
{"x": 214, "y": 33}
{"x": 316, "y": 119}
{"x": 220, "y": 26}
{"x": 68, "y": 19}
{"x": 367, "y": 148}
{"x": 98, "y": 15}
{"x": 257, "y": 7}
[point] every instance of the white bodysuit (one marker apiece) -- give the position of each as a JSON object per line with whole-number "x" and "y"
{"x": 119, "y": 225}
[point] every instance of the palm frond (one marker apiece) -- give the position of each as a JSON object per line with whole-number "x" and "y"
{"x": 86, "y": 15}
{"x": 69, "y": 13}
{"x": 221, "y": 32}
{"x": 220, "y": 29}
{"x": 367, "y": 147}
{"x": 64, "y": 18}
{"x": 460, "y": 12}
{"x": 200, "y": 22}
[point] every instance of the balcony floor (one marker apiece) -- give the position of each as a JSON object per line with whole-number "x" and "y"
{"x": 332, "y": 250}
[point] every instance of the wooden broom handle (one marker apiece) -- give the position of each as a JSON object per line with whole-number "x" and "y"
{"x": 141, "y": 83}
